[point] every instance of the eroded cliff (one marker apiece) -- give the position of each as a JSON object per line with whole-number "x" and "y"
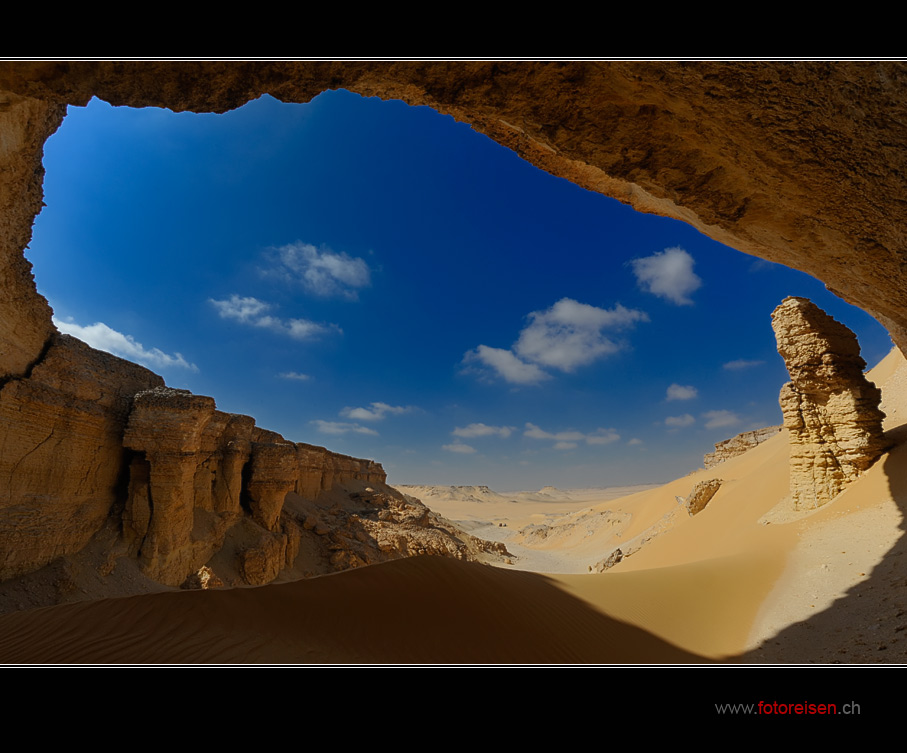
{"x": 92, "y": 443}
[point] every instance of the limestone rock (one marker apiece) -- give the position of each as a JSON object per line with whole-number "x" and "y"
{"x": 202, "y": 580}
{"x": 608, "y": 562}
{"x": 735, "y": 446}
{"x": 374, "y": 523}
{"x": 261, "y": 564}
{"x": 831, "y": 411}
{"x": 61, "y": 454}
{"x": 166, "y": 427}
{"x": 195, "y": 472}
{"x": 274, "y": 472}
{"x": 701, "y": 495}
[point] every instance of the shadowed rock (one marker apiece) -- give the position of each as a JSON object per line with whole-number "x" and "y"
{"x": 701, "y": 495}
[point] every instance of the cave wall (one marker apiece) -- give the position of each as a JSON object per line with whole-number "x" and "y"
{"x": 801, "y": 163}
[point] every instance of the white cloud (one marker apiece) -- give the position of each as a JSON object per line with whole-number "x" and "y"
{"x": 251, "y": 311}
{"x": 634, "y": 442}
{"x": 482, "y": 430}
{"x": 246, "y": 310}
{"x": 741, "y": 364}
{"x": 720, "y": 418}
{"x": 599, "y": 436}
{"x": 678, "y": 422}
{"x": 569, "y": 334}
{"x": 668, "y": 274}
{"x": 338, "y": 427}
{"x": 537, "y": 432}
{"x": 294, "y": 375}
{"x": 680, "y": 392}
{"x": 102, "y": 337}
{"x": 565, "y": 445}
{"x": 602, "y": 436}
{"x": 376, "y": 412}
{"x": 463, "y": 449}
{"x": 507, "y": 365}
{"x": 320, "y": 271}
{"x": 564, "y": 337}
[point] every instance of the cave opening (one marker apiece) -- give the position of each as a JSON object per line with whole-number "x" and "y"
{"x": 382, "y": 280}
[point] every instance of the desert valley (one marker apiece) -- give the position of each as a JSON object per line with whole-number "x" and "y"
{"x": 142, "y": 523}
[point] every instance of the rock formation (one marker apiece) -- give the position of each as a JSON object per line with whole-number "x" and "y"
{"x": 88, "y": 438}
{"x": 61, "y": 454}
{"x": 701, "y": 495}
{"x": 831, "y": 411}
{"x": 734, "y": 446}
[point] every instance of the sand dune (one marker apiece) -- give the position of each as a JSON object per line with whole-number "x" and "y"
{"x": 744, "y": 580}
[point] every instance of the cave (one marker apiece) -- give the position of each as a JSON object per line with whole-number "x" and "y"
{"x": 799, "y": 163}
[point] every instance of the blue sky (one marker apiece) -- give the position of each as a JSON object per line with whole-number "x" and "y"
{"x": 386, "y": 282}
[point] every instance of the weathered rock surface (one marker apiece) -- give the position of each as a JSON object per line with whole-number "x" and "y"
{"x": 608, "y": 562}
{"x": 802, "y": 163}
{"x": 374, "y": 523}
{"x": 90, "y": 443}
{"x": 731, "y": 448}
{"x": 62, "y": 460}
{"x": 701, "y": 495}
{"x": 831, "y": 411}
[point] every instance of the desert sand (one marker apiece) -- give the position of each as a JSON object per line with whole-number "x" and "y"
{"x": 745, "y": 580}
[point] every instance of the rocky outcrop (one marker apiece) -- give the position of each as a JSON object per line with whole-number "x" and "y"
{"x": 701, "y": 495}
{"x": 87, "y": 436}
{"x": 375, "y": 523}
{"x": 831, "y": 411}
{"x": 197, "y": 471}
{"x": 62, "y": 460}
{"x": 731, "y": 448}
{"x": 90, "y": 439}
{"x": 615, "y": 558}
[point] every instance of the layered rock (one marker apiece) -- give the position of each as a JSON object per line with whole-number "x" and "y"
{"x": 731, "y": 448}
{"x": 62, "y": 460}
{"x": 701, "y": 495}
{"x": 166, "y": 427}
{"x": 831, "y": 411}
{"x": 88, "y": 437}
{"x": 374, "y": 523}
{"x": 274, "y": 472}
{"x": 187, "y": 484}
{"x": 197, "y": 471}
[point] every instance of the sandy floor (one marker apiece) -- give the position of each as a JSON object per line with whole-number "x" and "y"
{"x": 746, "y": 580}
